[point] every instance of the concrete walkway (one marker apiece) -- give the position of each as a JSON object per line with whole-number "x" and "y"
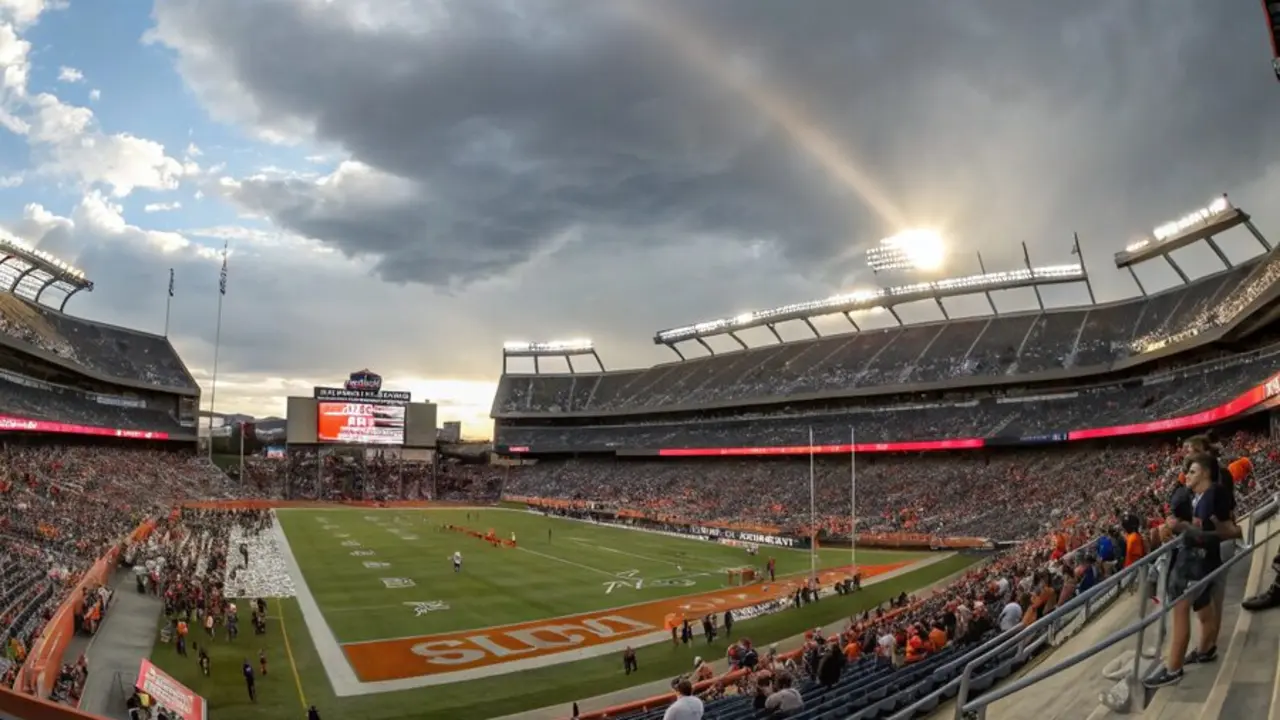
{"x": 127, "y": 633}
{"x": 721, "y": 666}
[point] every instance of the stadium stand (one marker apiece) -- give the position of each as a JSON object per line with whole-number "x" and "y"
{"x": 1011, "y": 495}
{"x": 32, "y": 399}
{"x": 62, "y": 507}
{"x": 1021, "y": 346}
{"x": 111, "y": 353}
{"x": 1169, "y": 394}
{"x": 904, "y": 660}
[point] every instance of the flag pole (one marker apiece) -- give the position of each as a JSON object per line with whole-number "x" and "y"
{"x": 813, "y": 515}
{"x": 242, "y": 478}
{"x": 168, "y": 304}
{"x": 853, "y": 498}
{"x": 217, "y": 346}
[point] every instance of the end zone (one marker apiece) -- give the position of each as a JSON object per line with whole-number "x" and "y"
{"x": 451, "y": 657}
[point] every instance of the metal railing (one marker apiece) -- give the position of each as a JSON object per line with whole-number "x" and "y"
{"x": 1140, "y": 570}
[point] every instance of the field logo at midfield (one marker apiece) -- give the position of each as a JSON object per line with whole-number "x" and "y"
{"x": 430, "y": 606}
{"x": 361, "y": 553}
{"x": 397, "y": 583}
{"x": 555, "y": 640}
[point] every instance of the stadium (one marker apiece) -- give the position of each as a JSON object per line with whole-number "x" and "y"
{"x": 843, "y": 520}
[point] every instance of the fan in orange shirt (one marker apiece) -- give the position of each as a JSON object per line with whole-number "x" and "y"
{"x": 937, "y": 638}
{"x": 853, "y": 650}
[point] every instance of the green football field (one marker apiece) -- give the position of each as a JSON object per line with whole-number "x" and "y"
{"x": 372, "y": 573}
{"x": 578, "y": 567}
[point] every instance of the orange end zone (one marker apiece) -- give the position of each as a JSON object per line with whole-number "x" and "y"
{"x": 469, "y": 649}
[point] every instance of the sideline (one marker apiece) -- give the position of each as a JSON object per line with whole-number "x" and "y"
{"x": 342, "y": 678}
{"x": 288, "y": 649}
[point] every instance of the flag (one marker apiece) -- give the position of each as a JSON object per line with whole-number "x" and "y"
{"x": 170, "y": 282}
{"x": 222, "y": 279}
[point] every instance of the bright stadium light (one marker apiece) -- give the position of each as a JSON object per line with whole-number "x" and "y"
{"x": 914, "y": 249}
{"x": 580, "y": 345}
{"x": 1190, "y": 220}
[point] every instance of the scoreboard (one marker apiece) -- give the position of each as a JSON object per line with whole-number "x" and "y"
{"x": 360, "y": 423}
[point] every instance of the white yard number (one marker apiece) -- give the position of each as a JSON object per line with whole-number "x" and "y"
{"x": 351, "y": 543}
{"x": 430, "y": 606}
{"x": 362, "y": 553}
{"x": 375, "y": 565}
{"x": 397, "y": 583}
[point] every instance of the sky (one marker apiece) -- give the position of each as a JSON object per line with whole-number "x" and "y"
{"x": 406, "y": 184}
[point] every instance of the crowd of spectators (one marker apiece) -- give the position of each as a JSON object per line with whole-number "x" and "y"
{"x": 31, "y": 400}
{"x": 1010, "y": 495}
{"x": 62, "y": 508}
{"x": 105, "y": 349}
{"x": 1077, "y": 550}
{"x": 1176, "y": 394}
{"x": 353, "y": 475}
{"x": 1004, "y": 345}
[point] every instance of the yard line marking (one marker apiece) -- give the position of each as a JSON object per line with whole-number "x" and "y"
{"x": 791, "y": 578}
{"x": 288, "y": 649}
{"x": 567, "y": 562}
{"x": 631, "y": 554}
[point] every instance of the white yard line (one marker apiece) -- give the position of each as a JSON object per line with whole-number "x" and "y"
{"x": 663, "y": 561}
{"x": 613, "y": 575}
{"x": 341, "y": 675}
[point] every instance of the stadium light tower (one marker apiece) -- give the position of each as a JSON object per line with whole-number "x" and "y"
{"x": 566, "y": 349}
{"x": 915, "y": 249}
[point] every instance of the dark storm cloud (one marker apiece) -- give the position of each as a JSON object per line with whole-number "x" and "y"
{"x": 502, "y": 126}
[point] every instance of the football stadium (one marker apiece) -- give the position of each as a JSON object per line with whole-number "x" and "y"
{"x": 884, "y": 522}
{"x": 825, "y": 510}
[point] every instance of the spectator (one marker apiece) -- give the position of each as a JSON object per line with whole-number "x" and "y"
{"x": 785, "y": 700}
{"x": 686, "y": 706}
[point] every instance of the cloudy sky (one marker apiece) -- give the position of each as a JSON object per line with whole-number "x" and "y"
{"x": 405, "y": 184}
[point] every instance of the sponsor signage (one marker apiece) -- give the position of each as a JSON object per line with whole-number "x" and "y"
{"x": 9, "y": 423}
{"x": 362, "y": 385}
{"x": 725, "y": 534}
{"x": 170, "y": 694}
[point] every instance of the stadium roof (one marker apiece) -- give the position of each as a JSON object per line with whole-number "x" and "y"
{"x": 872, "y": 300}
{"x": 1203, "y": 223}
{"x": 566, "y": 349}
{"x": 28, "y": 272}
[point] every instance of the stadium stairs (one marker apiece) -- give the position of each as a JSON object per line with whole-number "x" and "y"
{"x": 1244, "y": 683}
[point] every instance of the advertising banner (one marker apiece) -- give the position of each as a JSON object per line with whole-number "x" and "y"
{"x": 169, "y": 693}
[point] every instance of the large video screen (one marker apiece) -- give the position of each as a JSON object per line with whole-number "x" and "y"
{"x": 360, "y": 423}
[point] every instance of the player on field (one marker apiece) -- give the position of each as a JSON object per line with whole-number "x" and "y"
{"x": 457, "y": 561}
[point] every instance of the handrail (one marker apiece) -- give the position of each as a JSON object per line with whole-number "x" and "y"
{"x": 1115, "y": 580}
{"x": 963, "y": 704}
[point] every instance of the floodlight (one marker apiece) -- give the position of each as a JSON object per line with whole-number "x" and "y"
{"x": 1190, "y": 220}
{"x": 555, "y": 347}
{"x": 914, "y": 249}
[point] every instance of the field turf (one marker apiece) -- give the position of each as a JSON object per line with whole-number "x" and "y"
{"x": 581, "y": 568}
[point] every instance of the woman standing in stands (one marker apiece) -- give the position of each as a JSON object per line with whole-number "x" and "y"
{"x": 1202, "y": 515}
